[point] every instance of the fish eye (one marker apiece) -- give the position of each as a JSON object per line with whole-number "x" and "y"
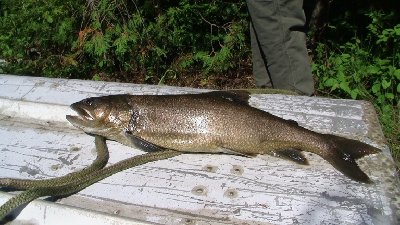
{"x": 93, "y": 102}
{"x": 88, "y": 101}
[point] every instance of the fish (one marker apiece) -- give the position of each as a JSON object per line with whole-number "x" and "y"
{"x": 213, "y": 122}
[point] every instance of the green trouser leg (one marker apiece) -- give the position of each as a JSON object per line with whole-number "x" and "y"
{"x": 260, "y": 71}
{"x": 277, "y": 28}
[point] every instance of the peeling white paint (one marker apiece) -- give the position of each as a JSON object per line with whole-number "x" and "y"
{"x": 34, "y": 136}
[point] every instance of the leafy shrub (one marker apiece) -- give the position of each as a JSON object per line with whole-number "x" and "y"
{"x": 125, "y": 40}
{"x": 36, "y": 36}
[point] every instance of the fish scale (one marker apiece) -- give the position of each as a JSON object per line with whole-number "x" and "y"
{"x": 213, "y": 122}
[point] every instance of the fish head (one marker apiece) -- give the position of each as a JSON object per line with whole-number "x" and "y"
{"x": 98, "y": 115}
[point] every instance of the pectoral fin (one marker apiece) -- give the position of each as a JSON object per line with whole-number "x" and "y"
{"x": 291, "y": 154}
{"x": 142, "y": 144}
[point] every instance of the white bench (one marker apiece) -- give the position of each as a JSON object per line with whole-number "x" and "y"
{"x": 37, "y": 142}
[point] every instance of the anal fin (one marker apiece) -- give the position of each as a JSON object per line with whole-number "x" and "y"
{"x": 291, "y": 154}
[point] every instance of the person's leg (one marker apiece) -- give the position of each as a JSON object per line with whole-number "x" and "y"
{"x": 260, "y": 71}
{"x": 277, "y": 25}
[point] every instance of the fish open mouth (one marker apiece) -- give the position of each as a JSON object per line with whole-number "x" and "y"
{"x": 83, "y": 115}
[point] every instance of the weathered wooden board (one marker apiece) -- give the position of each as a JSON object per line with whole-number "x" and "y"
{"x": 37, "y": 142}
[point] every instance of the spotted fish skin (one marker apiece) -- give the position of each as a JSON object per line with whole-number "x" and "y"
{"x": 213, "y": 122}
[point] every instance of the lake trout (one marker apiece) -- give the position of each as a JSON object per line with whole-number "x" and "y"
{"x": 212, "y": 122}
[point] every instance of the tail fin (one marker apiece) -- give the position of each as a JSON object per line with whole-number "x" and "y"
{"x": 343, "y": 154}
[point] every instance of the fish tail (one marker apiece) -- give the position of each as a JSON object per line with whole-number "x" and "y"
{"x": 343, "y": 154}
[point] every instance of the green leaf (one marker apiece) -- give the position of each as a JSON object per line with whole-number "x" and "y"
{"x": 100, "y": 44}
{"x": 397, "y": 74}
{"x": 386, "y": 84}
{"x": 354, "y": 93}
{"x": 330, "y": 82}
{"x": 398, "y": 88}
{"x": 338, "y": 61}
{"x": 397, "y": 29}
{"x": 96, "y": 77}
{"x": 383, "y": 62}
{"x": 381, "y": 99}
{"x": 376, "y": 88}
{"x": 373, "y": 69}
{"x": 389, "y": 96}
{"x": 345, "y": 87}
{"x": 341, "y": 75}
{"x": 48, "y": 18}
{"x": 345, "y": 57}
{"x": 121, "y": 45}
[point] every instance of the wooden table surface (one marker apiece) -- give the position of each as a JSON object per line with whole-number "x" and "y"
{"x": 37, "y": 142}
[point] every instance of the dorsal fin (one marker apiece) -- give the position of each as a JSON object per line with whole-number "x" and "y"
{"x": 293, "y": 122}
{"x": 237, "y": 96}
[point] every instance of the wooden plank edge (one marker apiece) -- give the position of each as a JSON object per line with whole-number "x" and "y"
{"x": 49, "y": 213}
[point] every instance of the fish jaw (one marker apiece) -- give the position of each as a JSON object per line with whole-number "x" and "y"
{"x": 83, "y": 112}
{"x": 85, "y": 120}
{"x": 78, "y": 122}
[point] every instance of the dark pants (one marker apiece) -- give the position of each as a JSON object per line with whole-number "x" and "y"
{"x": 278, "y": 43}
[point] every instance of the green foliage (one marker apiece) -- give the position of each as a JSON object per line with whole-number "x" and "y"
{"x": 35, "y": 36}
{"x": 366, "y": 67}
{"x": 125, "y": 40}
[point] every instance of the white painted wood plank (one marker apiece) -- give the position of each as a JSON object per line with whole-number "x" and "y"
{"x": 236, "y": 190}
{"x": 70, "y": 215}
